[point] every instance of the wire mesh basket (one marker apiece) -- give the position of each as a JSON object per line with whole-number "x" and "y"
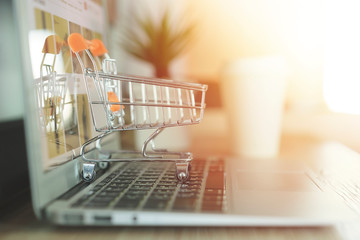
{"x": 120, "y": 102}
{"x": 50, "y": 89}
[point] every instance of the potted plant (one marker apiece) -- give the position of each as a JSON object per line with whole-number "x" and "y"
{"x": 157, "y": 42}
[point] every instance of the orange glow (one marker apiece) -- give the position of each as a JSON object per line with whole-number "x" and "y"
{"x": 232, "y": 29}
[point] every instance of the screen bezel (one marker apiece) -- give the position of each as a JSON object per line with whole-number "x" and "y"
{"x": 45, "y": 185}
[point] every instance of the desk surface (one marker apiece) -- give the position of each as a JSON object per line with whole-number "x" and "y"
{"x": 22, "y": 224}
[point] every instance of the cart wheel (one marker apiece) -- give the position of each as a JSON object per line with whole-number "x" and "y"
{"x": 182, "y": 171}
{"x": 88, "y": 173}
{"x": 88, "y": 177}
{"x": 103, "y": 165}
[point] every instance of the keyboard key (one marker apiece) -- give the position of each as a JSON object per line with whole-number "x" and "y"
{"x": 186, "y": 204}
{"x": 106, "y": 180}
{"x": 189, "y": 186}
{"x": 155, "y": 196}
{"x": 149, "y": 179}
{"x": 102, "y": 183}
{"x": 113, "y": 189}
{"x": 169, "y": 179}
{"x": 124, "y": 178}
{"x": 137, "y": 192}
{"x": 156, "y": 204}
{"x": 117, "y": 185}
{"x": 167, "y": 191}
{"x": 195, "y": 182}
{"x": 187, "y": 195}
{"x": 143, "y": 183}
{"x": 108, "y": 194}
{"x": 132, "y": 197}
{"x": 215, "y": 180}
{"x": 122, "y": 181}
{"x": 165, "y": 187}
{"x": 140, "y": 187}
{"x": 186, "y": 191}
{"x": 168, "y": 183}
{"x": 195, "y": 178}
{"x": 213, "y": 192}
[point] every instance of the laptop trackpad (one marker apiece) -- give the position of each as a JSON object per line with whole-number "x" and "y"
{"x": 282, "y": 194}
{"x": 275, "y": 181}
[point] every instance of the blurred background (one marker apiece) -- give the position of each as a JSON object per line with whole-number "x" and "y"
{"x": 319, "y": 39}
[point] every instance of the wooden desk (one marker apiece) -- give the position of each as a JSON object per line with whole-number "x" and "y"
{"x": 22, "y": 224}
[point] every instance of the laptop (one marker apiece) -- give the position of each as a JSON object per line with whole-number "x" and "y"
{"x": 220, "y": 191}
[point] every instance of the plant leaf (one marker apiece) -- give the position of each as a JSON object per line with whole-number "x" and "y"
{"x": 158, "y": 43}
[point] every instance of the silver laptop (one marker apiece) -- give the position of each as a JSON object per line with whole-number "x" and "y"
{"x": 218, "y": 191}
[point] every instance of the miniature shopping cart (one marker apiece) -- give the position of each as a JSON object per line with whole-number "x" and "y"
{"x": 121, "y": 102}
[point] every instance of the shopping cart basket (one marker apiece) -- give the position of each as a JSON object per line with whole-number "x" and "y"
{"x": 129, "y": 102}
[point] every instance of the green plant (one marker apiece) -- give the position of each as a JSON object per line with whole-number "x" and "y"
{"x": 158, "y": 43}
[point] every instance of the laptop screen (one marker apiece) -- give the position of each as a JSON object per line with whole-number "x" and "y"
{"x": 62, "y": 108}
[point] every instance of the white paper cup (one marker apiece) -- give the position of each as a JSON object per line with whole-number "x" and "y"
{"x": 253, "y": 92}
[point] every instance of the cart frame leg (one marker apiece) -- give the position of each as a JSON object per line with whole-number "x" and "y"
{"x": 151, "y": 139}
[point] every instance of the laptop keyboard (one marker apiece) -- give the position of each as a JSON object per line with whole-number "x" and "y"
{"x": 153, "y": 186}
